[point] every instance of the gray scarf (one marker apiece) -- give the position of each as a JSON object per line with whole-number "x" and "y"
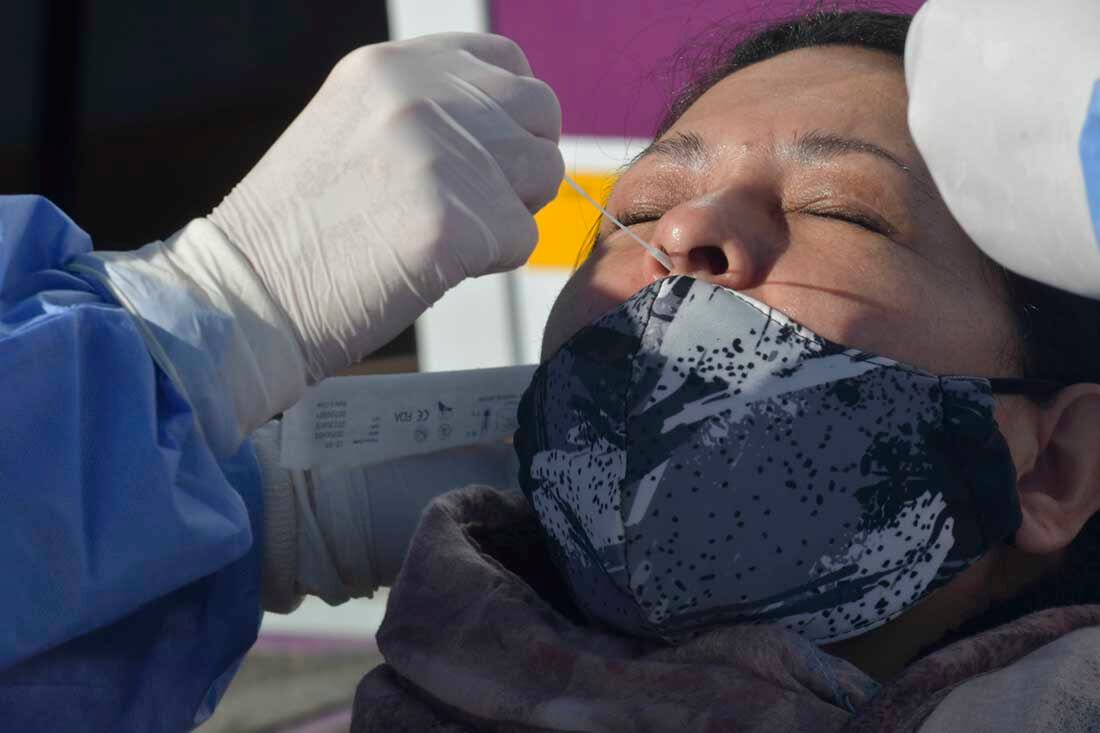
{"x": 480, "y": 634}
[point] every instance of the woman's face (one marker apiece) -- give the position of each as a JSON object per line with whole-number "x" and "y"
{"x": 796, "y": 181}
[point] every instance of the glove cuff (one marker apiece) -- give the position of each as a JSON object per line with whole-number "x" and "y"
{"x": 280, "y": 547}
{"x": 341, "y": 503}
{"x": 212, "y": 326}
{"x": 314, "y": 539}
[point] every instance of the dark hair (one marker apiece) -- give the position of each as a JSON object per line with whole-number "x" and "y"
{"x": 862, "y": 29}
{"x": 1059, "y": 333}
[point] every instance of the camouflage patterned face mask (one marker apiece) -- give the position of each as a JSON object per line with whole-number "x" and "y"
{"x": 695, "y": 458}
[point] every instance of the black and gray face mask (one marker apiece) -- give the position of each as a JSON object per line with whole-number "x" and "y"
{"x": 696, "y": 458}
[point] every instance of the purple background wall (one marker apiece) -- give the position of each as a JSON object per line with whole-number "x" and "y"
{"x": 611, "y": 61}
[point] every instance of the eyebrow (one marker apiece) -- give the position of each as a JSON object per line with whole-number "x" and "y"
{"x": 690, "y": 150}
{"x": 821, "y": 145}
{"x": 685, "y": 148}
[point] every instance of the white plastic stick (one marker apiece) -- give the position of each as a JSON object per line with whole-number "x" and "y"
{"x": 656, "y": 253}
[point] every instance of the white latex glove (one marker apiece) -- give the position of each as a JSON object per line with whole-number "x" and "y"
{"x": 343, "y": 533}
{"x": 1000, "y": 92}
{"x": 418, "y": 164}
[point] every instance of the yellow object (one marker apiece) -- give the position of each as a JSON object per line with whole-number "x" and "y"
{"x": 567, "y": 224}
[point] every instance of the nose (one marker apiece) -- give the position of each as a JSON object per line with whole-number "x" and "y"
{"x": 727, "y": 238}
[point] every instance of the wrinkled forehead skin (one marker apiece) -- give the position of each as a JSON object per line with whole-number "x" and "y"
{"x": 660, "y": 449}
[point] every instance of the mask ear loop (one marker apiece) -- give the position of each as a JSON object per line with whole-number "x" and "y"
{"x": 1021, "y": 386}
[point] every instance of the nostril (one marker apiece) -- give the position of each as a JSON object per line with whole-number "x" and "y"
{"x": 711, "y": 260}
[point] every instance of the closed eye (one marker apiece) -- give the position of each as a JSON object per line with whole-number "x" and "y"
{"x": 630, "y": 218}
{"x": 860, "y": 220}
{"x": 870, "y": 223}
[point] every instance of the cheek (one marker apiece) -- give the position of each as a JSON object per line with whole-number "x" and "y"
{"x": 848, "y": 288}
{"x": 606, "y": 279}
{"x": 890, "y": 299}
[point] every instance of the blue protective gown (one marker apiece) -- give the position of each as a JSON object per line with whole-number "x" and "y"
{"x": 130, "y": 575}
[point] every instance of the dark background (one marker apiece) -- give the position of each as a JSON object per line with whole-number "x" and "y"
{"x": 135, "y": 117}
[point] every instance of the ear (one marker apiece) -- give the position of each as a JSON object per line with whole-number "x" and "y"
{"x": 1061, "y": 491}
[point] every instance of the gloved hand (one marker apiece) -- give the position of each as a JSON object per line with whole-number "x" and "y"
{"x": 343, "y": 533}
{"x": 418, "y": 164}
{"x": 999, "y": 106}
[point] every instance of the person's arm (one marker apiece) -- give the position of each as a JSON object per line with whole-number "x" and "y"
{"x": 1005, "y": 109}
{"x": 343, "y": 533}
{"x": 116, "y": 512}
{"x": 132, "y": 379}
{"x": 135, "y": 558}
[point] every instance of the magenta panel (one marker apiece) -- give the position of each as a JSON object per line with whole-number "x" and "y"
{"x": 613, "y": 62}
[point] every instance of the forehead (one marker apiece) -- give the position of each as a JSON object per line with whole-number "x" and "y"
{"x": 840, "y": 88}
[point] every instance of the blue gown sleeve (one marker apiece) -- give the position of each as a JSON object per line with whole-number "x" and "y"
{"x": 131, "y": 575}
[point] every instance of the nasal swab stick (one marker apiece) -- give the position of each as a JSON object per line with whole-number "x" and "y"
{"x": 656, "y": 253}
